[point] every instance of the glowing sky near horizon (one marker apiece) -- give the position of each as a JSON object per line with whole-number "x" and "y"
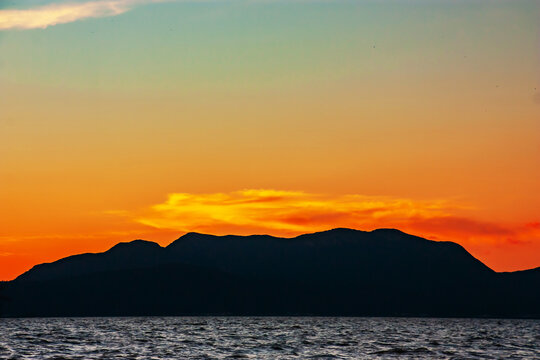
{"x": 124, "y": 119}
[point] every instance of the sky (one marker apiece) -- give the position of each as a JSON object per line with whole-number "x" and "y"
{"x": 127, "y": 119}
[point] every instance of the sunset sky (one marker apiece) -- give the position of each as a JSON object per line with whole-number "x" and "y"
{"x": 126, "y": 119}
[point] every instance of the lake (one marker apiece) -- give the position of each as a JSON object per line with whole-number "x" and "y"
{"x": 268, "y": 338}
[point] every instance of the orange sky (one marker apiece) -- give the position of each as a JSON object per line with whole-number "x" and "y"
{"x": 502, "y": 246}
{"x": 146, "y": 119}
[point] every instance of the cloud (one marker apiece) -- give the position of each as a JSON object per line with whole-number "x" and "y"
{"x": 289, "y": 213}
{"x": 292, "y": 212}
{"x": 54, "y": 14}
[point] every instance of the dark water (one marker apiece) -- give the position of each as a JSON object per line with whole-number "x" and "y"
{"x": 268, "y": 338}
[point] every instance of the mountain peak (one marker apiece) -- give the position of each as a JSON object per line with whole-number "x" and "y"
{"x": 192, "y": 235}
{"x": 389, "y": 230}
{"x": 135, "y": 244}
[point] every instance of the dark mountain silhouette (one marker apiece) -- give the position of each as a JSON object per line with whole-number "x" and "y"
{"x": 345, "y": 272}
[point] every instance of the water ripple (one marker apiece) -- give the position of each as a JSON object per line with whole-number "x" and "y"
{"x": 267, "y": 338}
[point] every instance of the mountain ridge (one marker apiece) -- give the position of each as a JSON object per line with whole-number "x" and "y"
{"x": 384, "y": 272}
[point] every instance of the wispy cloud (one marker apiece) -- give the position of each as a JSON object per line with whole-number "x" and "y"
{"x": 293, "y": 212}
{"x": 54, "y": 14}
{"x": 289, "y": 212}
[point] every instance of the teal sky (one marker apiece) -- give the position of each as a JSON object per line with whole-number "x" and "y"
{"x": 168, "y": 47}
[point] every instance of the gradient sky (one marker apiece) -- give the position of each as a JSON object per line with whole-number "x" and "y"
{"x": 124, "y": 119}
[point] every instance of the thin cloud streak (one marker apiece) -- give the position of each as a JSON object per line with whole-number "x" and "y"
{"x": 54, "y": 14}
{"x": 285, "y": 211}
{"x": 289, "y": 213}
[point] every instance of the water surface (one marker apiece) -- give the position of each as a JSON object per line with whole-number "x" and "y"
{"x": 268, "y": 338}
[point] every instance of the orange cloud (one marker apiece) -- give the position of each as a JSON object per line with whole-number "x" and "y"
{"x": 289, "y": 213}
{"x": 502, "y": 246}
{"x": 54, "y": 14}
{"x": 285, "y": 212}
